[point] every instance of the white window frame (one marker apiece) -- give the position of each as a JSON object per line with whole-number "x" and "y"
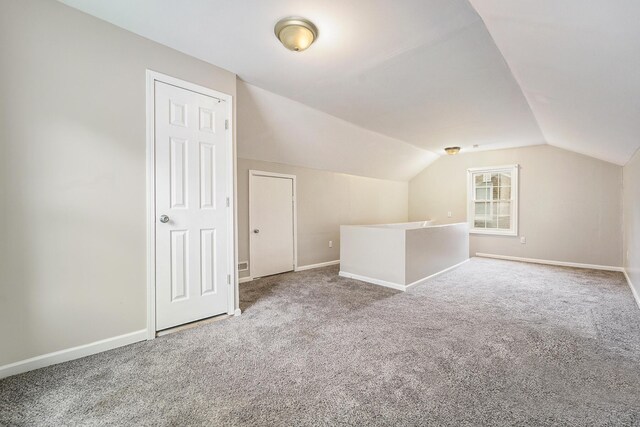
{"x": 514, "y": 170}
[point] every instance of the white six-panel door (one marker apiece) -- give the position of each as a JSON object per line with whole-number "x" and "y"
{"x": 192, "y": 222}
{"x": 271, "y": 207}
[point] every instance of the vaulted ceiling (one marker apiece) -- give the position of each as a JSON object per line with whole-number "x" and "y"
{"x": 578, "y": 64}
{"x": 430, "y": 73}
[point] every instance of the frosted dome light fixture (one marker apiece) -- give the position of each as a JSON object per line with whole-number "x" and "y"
{"x": 295, "y": 33}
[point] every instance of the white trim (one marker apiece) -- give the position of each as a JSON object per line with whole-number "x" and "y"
{"x": 302, "y": 268}
{"x": 494, "y": 232}
{"x": 633, "y": 290}
{"x": 151, "y": 216}
{"x": 253, "y": 173}
{"x": 151, "y": 78}
{"x": 515, "y": 172}
{"x": 72, "y": 353}
{"x": 237, "y": 312}
{"x": 421, "y": 281}
{"x": 384, "y": 283}
{"x": 398, "y": 286}
{"x": 549, "y": 262}
{"x": 318, "y": 265}
{"x": 236, "y": 275}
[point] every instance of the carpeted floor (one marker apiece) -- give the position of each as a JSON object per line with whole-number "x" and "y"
{"x": 490, "y": 343}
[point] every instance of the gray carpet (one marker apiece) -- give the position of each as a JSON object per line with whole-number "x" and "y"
{"x": 490, "y": 343}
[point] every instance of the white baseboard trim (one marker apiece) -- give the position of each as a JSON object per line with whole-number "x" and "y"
{"x": 238, "y": 312}
{"x": 421, "y": 281}
{"x": 549, "y": 262}
{"x": 379, "y": 282}
{"x": 633, "y": 290}
{"x": 398, "y": 286}
{"x": 321, "y": 264}
{"x": 71, "y": 353}
{"x": 301, "y": 268}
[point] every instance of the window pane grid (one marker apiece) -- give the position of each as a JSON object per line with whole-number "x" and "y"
{"x": 492, "y": 204}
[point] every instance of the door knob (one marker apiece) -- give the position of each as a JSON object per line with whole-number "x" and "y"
{"x": 164, "y": 219}
{"x": 255, "y": 230}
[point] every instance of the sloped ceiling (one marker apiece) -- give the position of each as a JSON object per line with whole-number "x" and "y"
{"x": 423, "y": 72}
{"x": 578, "y": 64}
{"x": 269, "y": 125}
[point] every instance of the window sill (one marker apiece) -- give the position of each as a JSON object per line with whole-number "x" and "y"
{"x": 510, "y": 233}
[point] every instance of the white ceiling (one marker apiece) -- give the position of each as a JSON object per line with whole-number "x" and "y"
{"x": 578, "y": 63}
{"x": 269, "y": 125}
{"x": 427, "y": 72}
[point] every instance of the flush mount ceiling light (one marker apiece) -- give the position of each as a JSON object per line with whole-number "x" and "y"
{"x": 295, "y": 33}
{"x": 452, "y": 150}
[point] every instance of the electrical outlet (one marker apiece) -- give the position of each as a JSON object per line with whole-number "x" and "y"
{"x": 330, "y": 243}
{"x": 449, "y": 214}
{"x": 523, "y": 240}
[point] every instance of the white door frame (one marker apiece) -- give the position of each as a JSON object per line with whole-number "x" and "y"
{"x": 152, "y": 77}
{"x": 253, "y": 173}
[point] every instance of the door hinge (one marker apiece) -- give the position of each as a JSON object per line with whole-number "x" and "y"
{"x": 226, "y": 124}
{"x": 228, "y": 279}
{"x": 228, "y": 202}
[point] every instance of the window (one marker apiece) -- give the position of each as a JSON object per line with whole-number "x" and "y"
{"x": 493, "y": 200}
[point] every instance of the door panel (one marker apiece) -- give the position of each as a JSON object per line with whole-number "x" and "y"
{"x": 178, "y": 173}
{"x": 272, "y": 241}
{"x": 192, "y": 178}
{"x": 179, "y": 264}
{"x": 207, "y": 175}
{"x": 208, "y": 264}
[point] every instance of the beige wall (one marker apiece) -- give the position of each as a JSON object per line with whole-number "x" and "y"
{"x": 631, "y": 203}
{"x": 326, "y": 200}
{"x": 72, "y": 135}
{"x": 570, "y": 204}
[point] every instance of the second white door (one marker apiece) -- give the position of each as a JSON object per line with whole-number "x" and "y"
{"x": 272, "y": 209}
